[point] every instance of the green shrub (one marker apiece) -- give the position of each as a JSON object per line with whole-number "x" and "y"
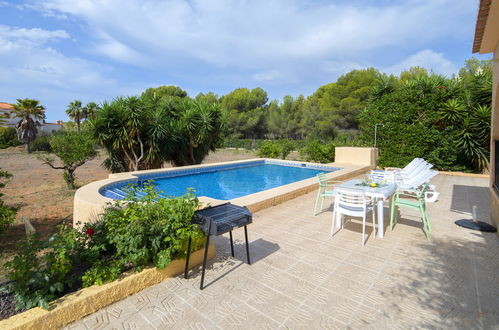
{"x": 249, "y": 144}
{"x": 7, "y": 213}
{"x": 275, "y": 149}
{"x": 149, "y": 230}
{"x": 285, "y": 147}
{"x": 316, "y": 151}
{"x": 41, "y": 143}
{"x": 444, "y": 121}
{"x": 269, "y": 149}
{"x": 8, "y": 137}
{"x": 73, "y": 149}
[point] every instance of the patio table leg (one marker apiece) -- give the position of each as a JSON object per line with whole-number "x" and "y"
{"x": 381, "y": 224}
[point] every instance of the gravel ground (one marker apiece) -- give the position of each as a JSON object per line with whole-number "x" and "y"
{"x": 7, "y": 305}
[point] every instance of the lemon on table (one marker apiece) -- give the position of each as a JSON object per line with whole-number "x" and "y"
{"x": 373, "y": 184}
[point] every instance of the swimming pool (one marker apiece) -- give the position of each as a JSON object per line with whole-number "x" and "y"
{"x": 223, "y": 182}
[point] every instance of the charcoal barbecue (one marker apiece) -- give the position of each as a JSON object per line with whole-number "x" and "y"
{"x": 218, "y": 220}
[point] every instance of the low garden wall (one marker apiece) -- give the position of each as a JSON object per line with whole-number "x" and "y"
{"x": 355, "y": 156}
{"x": 78, "y": 304}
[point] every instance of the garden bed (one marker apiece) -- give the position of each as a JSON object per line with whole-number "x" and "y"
{"x": 74, "y": 306}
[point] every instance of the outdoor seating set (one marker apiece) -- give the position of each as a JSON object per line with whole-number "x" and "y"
{"x": 408, "y": 187}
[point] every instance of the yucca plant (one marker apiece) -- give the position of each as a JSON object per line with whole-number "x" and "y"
{"x": 452, "y": 112}
{"x": 472, "y": 147}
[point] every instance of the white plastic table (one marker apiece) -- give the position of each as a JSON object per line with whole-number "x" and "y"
{"x": 381, "y": 193}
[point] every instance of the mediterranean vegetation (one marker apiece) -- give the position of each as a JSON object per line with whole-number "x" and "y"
{"x": 73, "y": 149}
{"x": 161, "y": 125}
{"x": 149, "y": 231}
{"x": 7, "y": 213}
{"x": 29, "y": 111}
{"x": 445, "y": 120}
{"x": 78, "y": 113}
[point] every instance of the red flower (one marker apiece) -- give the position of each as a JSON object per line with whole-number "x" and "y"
{"x": 90, "y": 231}
{"x": 441, "y": 87}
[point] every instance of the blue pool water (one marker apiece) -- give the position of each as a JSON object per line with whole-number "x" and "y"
{"x": 227, "y": 183}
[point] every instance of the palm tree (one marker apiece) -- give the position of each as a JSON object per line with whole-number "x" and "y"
{"x": 90, "y": 109}
{"x": 26, "y": 128}
{"x": 76, "y": 112}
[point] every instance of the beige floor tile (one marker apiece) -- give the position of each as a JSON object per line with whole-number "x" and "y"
{"x": 300, "y": 278}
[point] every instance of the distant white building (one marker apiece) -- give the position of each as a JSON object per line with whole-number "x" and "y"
{"x": 11, "y": 121}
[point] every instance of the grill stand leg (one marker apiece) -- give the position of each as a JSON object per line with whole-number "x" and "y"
{"x": 247, "y": 245}
{"x": 204, "y": 260}
{"x": 231, "y": 244}
{"x": 187, "y": 258}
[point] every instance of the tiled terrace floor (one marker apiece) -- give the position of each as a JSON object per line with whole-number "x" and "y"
{"x": 302, "y": 278}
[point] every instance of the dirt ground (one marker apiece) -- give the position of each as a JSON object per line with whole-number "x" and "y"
{"x": 41, "y": 194}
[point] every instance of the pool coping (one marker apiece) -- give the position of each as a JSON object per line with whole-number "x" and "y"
{"x": 89, "y": 203}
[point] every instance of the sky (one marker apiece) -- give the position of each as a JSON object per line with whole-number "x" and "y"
{"x": 57, "y": 51}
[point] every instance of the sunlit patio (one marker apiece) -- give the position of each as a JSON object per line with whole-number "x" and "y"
{"x": 300, "y": 277}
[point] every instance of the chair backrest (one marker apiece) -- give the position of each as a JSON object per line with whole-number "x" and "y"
{"x": 350, "y": 198}
{"x": 420, "y": 166}
{"x": 418, "y": 180}
{"x": 322, "y": 180}
{"x": 418, "y": 171}
{"x": 382, "y": 176}
{"x": 413, "y": 163}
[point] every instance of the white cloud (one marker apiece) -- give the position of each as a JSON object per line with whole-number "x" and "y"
{"x": 35, "y": 35}
{"x": 268, "y": 76}
{"x": 259, "y": 33}
{"x": 32, "y": 69}
{"x": 218, "y": 45}
{"x": 427, "y": 59}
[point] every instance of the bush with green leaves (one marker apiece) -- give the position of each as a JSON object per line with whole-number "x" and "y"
{"x": 45, "y": 270}
{"x": 275, "y": 149}
{"x": 144, "y": 132}
{"x": 249, "y": 144}
{"x": 317, "y": 151}
{"x": 269, "y": 149}
{"x": 445, "y": 121}
{"x": 8, "y": 137}
{"x": 41, "y": 143}
{"x": 7, "y": 213}
{"x": 132, "y": 234}
{"x": 73, "y": 150}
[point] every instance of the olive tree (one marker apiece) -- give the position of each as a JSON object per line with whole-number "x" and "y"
{"x": 73, "y": 150}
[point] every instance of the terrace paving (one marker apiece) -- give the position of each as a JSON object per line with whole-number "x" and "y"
{"x": 303, "y": 278}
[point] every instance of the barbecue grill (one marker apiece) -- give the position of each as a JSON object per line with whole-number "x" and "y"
{"x": 218, "y": 220}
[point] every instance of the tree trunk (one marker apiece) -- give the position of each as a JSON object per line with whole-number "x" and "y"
{"x": 191, "y": 154}
{"x": 69, "y": 177}
{"x": 27, "y": 147}
{"x": 78, "y": 124}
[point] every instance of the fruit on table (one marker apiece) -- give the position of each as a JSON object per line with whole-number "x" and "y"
{"x": 373, "y": 184}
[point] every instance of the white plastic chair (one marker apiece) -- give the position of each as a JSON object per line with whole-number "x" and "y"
{"x": 416, "y": 181}
{"x": 353, "y": 203}
{"x": 382, "y": 176}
